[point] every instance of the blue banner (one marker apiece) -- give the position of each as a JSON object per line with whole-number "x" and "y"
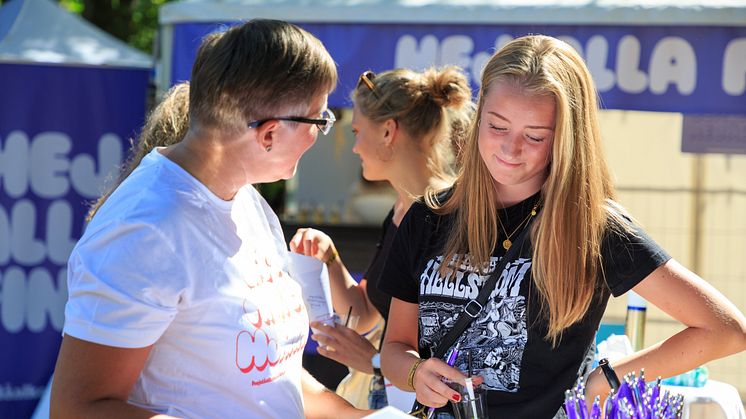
{"x": 62, "y": 132}
{"x": 687, "y": 69}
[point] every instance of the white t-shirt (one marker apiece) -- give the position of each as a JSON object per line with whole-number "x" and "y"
{"x": 167, "y": 263}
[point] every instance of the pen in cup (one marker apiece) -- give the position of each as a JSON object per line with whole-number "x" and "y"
{"x": 450, "y": 360}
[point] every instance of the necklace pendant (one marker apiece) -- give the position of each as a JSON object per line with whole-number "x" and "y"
{"x": 507, "y": 243}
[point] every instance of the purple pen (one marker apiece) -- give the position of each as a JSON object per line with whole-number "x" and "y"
{"x": 450, "y": 360}
{"x": 596, "y": 408}
{"x": 570, "y": 405}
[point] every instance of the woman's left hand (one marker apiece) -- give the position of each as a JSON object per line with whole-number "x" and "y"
{"x": 345, "y": 346}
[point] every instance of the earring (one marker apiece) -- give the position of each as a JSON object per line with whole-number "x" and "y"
{"x": 269, "y": 148}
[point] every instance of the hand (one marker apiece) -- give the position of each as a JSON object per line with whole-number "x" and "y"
{"x": 429, "y": 383}
{"x": 345, "y": 346}
{"x": 314, "y": 243}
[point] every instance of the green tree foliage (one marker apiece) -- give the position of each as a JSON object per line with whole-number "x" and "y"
{"x": 133, "y": 21}
{"x": 136, "y": 22}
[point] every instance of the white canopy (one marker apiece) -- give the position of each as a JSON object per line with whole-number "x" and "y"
{"x": 555, "y": 12}
{"x": 40, "y": 31}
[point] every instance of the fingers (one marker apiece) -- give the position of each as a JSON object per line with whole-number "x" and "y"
{"x": 297, "y": 241}
{"x": 320, "y": 327}
{"x": 328, "y": 336}
{"x": 328, "y": 354}
{"x": 428, "y": 397}
{"x": 449, "y": 373}
{"x": 303, "y": 241}
{"x": 430, "y": 386}
{"x": 339, "y": 336}
{"x": 310, "y": 246}
{"x": 310, "y": 242}
{"x": 327, "y": 343}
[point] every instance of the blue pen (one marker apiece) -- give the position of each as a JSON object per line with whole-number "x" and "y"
{"x": 450, "y": 360}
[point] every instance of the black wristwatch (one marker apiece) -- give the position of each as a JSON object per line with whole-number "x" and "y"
{"x": 375, "y": 360}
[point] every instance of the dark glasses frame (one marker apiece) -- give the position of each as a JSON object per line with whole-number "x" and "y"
{"x": 324, "y": 124}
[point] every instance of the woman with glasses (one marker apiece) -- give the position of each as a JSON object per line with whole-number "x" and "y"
{"x": 180, "y": 304}
{"x": 520, "y": 257}
{"x": 407, "y": 126}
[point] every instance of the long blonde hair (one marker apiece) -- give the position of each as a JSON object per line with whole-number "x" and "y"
{"x": 576, "y": 197}
{"x": 432, "y": 107}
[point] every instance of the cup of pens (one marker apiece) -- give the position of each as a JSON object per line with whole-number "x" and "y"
{"x": 473, "y": 402}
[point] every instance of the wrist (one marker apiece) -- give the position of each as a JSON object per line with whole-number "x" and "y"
{"x": 413, "y": 371}
{"x": 332, "y": 257}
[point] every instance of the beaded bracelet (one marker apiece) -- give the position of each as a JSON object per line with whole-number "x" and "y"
{"x": 332, "y": 258}
{"x": 412, "y": 370}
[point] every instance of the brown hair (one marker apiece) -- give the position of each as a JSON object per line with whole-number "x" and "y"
{"x": 431, "y": 107}
{"x": 167, "y": 124}
{"x": 258, "y": 69}
{"x": 577, "y": 197}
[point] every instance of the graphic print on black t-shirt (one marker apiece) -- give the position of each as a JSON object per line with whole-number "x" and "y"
{"x": 497, "y": 337}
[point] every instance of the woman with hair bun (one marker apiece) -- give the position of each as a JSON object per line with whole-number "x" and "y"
{"x": 408, "y": 127}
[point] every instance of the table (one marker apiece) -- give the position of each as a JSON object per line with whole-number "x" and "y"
{"x": 715, "y": 400}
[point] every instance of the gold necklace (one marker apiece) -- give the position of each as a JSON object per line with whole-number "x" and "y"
{"x": 507, "y": 243}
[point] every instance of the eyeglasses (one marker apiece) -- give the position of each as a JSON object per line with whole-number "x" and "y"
{"x": 325, "y": 123}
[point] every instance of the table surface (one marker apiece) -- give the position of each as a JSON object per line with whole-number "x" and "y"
{"x": 713, "y": 392}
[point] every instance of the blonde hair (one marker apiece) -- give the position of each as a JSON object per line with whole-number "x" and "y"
{"x": 167, "y": 124}
{"x": 576, "y": 197}
{"x": 432, "y": 107}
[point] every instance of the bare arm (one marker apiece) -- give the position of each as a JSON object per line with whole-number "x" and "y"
{"x": 346, "y": 292}
{"x": 715, "y": 328}
{"x": 400, "y": 353}
{"x": 321, "y": 403}
{"x": 94, "y": 381}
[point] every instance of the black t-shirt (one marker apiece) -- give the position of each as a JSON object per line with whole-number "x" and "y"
{"x": 380, "y": 300}
{"x": 525, "y": 377}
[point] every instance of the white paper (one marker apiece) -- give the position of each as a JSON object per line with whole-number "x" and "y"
{"x": 313, "y": 278}
{"x": 389, "y": 412}
{"x": 398, "y": 398}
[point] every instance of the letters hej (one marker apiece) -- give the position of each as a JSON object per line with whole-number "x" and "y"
{"x": 672, "y": 63}
{"x": 42, "y": 181}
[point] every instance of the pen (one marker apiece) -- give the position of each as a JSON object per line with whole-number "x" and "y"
{"x": 609, "y": 373}
{"x": 450, "y": 360}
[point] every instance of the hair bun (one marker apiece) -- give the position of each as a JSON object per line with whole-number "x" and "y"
{"x": 447, "y": 86}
